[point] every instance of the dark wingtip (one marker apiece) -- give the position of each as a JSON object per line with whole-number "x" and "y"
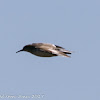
{"x": 67, "y": 52}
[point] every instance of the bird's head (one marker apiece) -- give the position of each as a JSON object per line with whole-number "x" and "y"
{"x": 27, "y": 48}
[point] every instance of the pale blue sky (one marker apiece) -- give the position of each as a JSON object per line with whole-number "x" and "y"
{"x": 72, "y": 24}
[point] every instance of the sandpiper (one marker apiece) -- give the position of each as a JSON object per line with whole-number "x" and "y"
{"x": 45, "y": 50}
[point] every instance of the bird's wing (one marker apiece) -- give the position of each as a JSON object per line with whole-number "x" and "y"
{"x": 62, "y": 50}
{"x": 44, "y": 45}
{"x": 58, "y": 53}
{"x": 59, "y": 47}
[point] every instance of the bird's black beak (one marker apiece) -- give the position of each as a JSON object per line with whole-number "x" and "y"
{"x": 19, "y": 51}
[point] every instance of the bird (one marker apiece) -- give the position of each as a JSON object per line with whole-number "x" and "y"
{"x": 45, "y": 50}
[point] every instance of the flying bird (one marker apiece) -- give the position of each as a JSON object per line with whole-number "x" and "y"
{"x": 45, "y": 50}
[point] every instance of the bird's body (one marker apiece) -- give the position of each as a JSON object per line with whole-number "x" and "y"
{"x": 45, "y": 50}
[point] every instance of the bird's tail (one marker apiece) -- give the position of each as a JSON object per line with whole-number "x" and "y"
{"x": 63, "y": 54}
